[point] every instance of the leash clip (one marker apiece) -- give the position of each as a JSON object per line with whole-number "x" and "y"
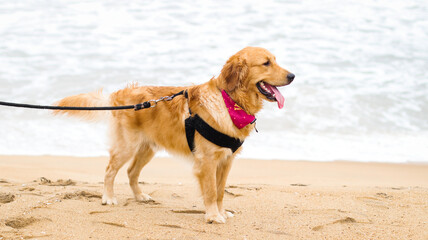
{"x": 155, "y": 102}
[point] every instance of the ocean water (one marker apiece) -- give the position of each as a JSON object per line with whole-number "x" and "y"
{"x": 360, "y": 93}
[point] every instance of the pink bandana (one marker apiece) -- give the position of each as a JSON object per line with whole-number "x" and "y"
{"x": 239, "y": 117}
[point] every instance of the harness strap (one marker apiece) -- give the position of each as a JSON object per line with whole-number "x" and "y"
{"x": 195, "y": 123}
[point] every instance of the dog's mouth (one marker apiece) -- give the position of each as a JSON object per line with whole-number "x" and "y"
{"x": 271, "y": 93}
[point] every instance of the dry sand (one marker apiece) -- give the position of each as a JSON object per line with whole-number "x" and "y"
{"x": 59, "y": 198}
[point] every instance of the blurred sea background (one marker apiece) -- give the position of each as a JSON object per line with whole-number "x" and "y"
{"x": 360, "y": 93}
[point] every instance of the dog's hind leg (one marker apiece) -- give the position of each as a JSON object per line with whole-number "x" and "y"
{"x": 144, "y": 154}
{"x": 121, "y": 151}
{"x": 117, "y": 159}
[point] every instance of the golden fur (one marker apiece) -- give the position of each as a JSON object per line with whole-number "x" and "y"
{"x": 136, "y": 135}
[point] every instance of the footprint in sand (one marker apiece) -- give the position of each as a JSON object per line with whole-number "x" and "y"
{"x": 232, "y": 194}
{"x": 132, "y": 200}
{"x": 245, "y": 188}
{"x": 298, "y": 185}
{"x": 189, "y": 211}
{"x": 82, "y": 194}
{"x": 383, "y": 195}
{"x": 98, "y": 212}
{"x": 375, "y": 201}
{"x": 27, "y": 189}
{"x": 20, "y": 222}
{"x": 6, "y": 197}
{"x": 114, "y": 224}
{"x": 59, "y": 182}
{"x": 169, "y": 225}
{"x": 176, "y": 196}
{"x": 340, "y": 221}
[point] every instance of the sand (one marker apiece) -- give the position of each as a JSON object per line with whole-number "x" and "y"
{"x": 55, "y": 197}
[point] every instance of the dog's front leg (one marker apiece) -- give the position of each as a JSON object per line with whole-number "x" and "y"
{"x": 223, "y": 170}
{"x": 205, "y": 170}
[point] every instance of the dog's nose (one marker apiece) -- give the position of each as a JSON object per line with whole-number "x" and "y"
{"x": 290, "y": 77}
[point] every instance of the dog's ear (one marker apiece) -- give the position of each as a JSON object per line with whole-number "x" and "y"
{"x": 234, "y": 72}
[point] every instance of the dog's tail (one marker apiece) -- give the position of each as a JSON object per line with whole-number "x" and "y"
{"x": 93, "y": 99}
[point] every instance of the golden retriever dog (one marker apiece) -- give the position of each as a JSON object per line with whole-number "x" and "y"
{"x": 248, "y": 77}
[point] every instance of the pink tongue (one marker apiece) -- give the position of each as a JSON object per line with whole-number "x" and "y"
{"x": 279, "y": 98}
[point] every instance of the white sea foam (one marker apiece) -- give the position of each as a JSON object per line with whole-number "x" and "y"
{"x": 361, "y": 88}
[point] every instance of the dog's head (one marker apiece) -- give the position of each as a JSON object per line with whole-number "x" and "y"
{"x": 252, "y": 75}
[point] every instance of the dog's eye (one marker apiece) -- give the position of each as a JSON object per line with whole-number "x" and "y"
{"x": 267, "y": 63}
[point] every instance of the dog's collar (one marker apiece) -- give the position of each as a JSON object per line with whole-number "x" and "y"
{"x": 239, "y": 116}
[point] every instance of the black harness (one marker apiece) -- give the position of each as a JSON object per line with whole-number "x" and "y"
{"x": 196, "y": 123}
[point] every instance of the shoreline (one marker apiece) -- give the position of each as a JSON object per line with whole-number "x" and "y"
{"x": 357, "y": 173}
{"x": 166, "y": 155}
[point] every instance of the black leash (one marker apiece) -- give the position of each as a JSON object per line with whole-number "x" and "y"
{"x": 192, "y": 123}
{"x": 136, "y": 107}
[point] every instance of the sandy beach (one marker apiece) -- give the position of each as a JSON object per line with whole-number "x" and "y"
{"x": 56, "y": 197}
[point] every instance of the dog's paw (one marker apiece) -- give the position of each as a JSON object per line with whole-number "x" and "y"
{"x": 109, "y": 200}
{"x": 143, "y": 198}
{"x": 227, "y": 214}
{"x": 215, "y": 218}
